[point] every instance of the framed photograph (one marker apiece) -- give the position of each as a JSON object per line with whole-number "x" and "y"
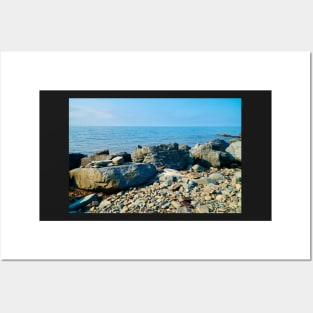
{"x": 155, "y": 156}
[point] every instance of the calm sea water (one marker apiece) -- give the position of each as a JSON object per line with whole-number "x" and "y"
{"x": 88, "y": 140}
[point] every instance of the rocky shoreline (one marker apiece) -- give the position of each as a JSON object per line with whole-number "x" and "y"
{"x": 159, "y": 179}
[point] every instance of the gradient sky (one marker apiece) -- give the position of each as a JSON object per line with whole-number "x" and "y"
{"x": 155, "y": 112}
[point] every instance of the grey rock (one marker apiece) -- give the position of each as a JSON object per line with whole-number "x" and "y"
{"x": 203, "y": 209}
{"x": 235, "y": 150}
{"x": 216, "y": 176}
{"x": 165, "y": 155}
{"x": 182, "y": 210}
{"x": 100, "y": 163}
{"x": 113, "y": 178}
{"x": 104, "y": 204}
{"x": 206, "y": 156}
{"x": 206, "y": 181}
{"x": 126, "y": 156}
{"x": 118, "y": 160}
{"x": 175, "y": 204}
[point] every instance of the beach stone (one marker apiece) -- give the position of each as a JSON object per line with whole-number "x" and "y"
{"x": 104, "y": 204}
{"x": 203, "y": 209}
{"x": 175, "y": 204}
{"x": 100, "y": 163}
{"x": 75, "y": 160}
{"x": 207, "y": 157}
{"x": 198, "y": 168}
{"x": 175, "y": 186}
{"x": 126, "y": 156}
{"x": 165, "y": 155}
{"x": 238, "y": 176}
{"x": 193, "y": 175}
{"x": 235, "y": 150}
{"x": 112, "y": 178}
{"x": 169, "y": 176}
{"x": 182, "y": 210}
{"x": 216, "y": 176}
{"x": 220, "y": 198}
{"x": 118, "y": 160}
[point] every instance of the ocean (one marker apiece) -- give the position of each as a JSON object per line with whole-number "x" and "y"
{"x": 89, "y": 139}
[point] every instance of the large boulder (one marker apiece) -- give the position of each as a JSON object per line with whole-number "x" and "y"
{"x": 219, "y": 144}
{"x": 235, "y": 150}
{"x": 112, "y": 178}
{"x": 206, "y": 156}
{"x": 165, "y": 155}
{"x": 75, "y": 159}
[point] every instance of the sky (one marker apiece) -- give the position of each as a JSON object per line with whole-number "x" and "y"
{"x": 155, "y": 112}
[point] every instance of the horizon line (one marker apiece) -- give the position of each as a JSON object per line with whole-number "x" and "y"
{"x": 154, "y": 126}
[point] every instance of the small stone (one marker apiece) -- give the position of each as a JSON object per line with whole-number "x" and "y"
{"x": 220, "y": 198}
{"x": 118, "y": 160}
{"x": 207, "y": 198}
{"x": 175, "y": 204}
{"x": 104, "y": 204}
{"x": 124, "y": 210}
{"x": 155, "y": 185}
{"x": 216, "y": 176}
{"x": 174, "y": 187}
{"x": 238, "y": 187}
{"x": 181, "y": 210}
{"x": 193, "y": 175}
{"x": 203, "y": 209}
{"x": 198, "y": 168}
{"x": 163, "y": 185}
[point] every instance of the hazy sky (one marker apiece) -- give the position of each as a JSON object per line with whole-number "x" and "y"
{"x": 154, "y": 112}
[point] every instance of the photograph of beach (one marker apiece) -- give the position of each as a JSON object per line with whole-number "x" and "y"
{"x": 155, "y": 155}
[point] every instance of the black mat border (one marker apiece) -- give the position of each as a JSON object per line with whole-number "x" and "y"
{"x": 256, "y": 155}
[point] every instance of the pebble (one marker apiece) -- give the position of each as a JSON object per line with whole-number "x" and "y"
{"x": 216, "y": 176}
{"x": 175, "y": 204}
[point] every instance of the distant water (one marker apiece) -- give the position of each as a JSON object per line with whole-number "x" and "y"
{"x": 88, "y": 140}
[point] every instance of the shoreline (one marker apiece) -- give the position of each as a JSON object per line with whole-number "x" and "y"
{"x": 167, "y": 178}
{"x": 193, "y": 192}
